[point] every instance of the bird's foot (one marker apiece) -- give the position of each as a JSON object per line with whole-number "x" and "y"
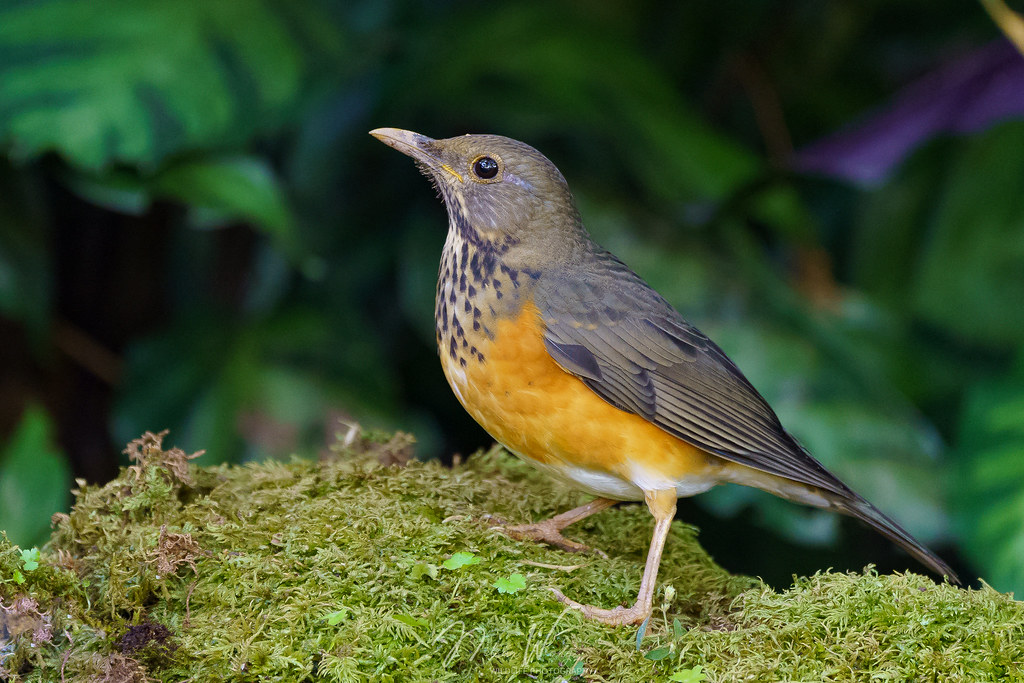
{"x": 617, "y": 616}
{"x": 550, "y": 533}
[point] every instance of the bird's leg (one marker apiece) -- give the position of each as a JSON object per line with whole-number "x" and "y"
{"x": 662, "y": 505}
{"x": 550, "y": 530}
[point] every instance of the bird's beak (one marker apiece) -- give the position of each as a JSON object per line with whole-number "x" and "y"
{"x": 419, "y": 147}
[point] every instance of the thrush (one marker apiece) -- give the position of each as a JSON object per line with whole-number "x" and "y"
{"x": 576, "y": 365}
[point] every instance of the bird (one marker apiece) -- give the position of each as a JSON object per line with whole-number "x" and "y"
{"x": 576, "y": 365}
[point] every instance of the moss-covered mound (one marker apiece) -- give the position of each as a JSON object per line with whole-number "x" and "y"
{"x": 349, "y": 569}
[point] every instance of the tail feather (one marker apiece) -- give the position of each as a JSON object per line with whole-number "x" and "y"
{"x": 840, "y": 498}
{"x": 866, "y": 512}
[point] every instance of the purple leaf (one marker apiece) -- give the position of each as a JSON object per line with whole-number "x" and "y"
{"x": 975, "y": 92}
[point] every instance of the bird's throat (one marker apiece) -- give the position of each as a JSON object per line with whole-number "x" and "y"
{"x": 475, "y": 288}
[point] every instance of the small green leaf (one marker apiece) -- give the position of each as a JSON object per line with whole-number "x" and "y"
{"x": 512, "y": 584}
{"x": 677, "y": 628}
{"x": 641, "y": 631}
{"x": 577, "y": 668}
{"x": 694, "y": 675}
{"x": 19, "y": 578}
{"x": 658, "y": 654}
{"x": 422, "y": 569}
{"x": 30, "y": 559}
{"x": 335, "y": 618}
{"x": 460, "y": 560}
{"x": 410, "y": 620}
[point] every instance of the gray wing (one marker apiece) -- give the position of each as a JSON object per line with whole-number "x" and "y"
{"x": 626, "y": 343}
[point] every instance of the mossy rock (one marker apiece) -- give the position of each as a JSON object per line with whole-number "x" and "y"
{"x": 348, "y": 569}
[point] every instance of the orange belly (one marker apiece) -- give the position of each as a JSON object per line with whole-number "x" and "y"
{"x": 551, "y": 418}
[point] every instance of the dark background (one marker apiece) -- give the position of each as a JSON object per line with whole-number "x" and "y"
{"x": 197, "y": 234}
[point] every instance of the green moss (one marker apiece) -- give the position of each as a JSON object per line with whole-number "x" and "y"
{"x": 335, "y": 570}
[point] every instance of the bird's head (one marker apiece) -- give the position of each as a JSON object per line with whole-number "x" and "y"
{"x": 497, "y": 188}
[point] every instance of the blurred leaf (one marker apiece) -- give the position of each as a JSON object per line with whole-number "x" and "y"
{"x": 117, "y": 190}
{"x": 930, "y": 364}
{"x": 971, "y": 274}
{"x": 25, "y": 262}
{"x": 34, "y": 480}
{"x": 111, "y": 81}
{"x": 597, "y": 85}
{"x": 989, "y": 490}
{"x": 781, "y": 208}
{"x": 893, "y": 225}
{"x": 232, "y": 188}
{"x": 227, "y": 385}
{"x": 797, "y": 523}
{"x": 222, "y": 189}
{"x": 971, "y": 93}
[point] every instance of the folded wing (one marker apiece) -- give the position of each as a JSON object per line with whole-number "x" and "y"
{"x": 626, "y": 343}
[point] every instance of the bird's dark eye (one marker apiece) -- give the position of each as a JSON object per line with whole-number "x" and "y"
{"x": 485, "y": 168}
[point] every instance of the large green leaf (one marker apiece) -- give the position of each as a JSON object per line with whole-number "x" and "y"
{"x": 990, "y": 487}
{"x": 943, "y": 243}
{"x": 241, "y": 187}
{"x": 216, "y": 189}
{"x": 133, "y": 81}
{"x": 34, "y": 479}
{"x": 971, "y": 275}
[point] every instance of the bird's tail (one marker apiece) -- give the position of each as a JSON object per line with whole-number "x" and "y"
{"x": 840, "y": 498}
{"x": 866, "y": 512}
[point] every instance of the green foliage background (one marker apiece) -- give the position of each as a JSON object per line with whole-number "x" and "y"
{"x": 196, "y": 233}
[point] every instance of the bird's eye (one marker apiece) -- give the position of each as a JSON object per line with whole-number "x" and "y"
{"x": 485, "y": 168}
